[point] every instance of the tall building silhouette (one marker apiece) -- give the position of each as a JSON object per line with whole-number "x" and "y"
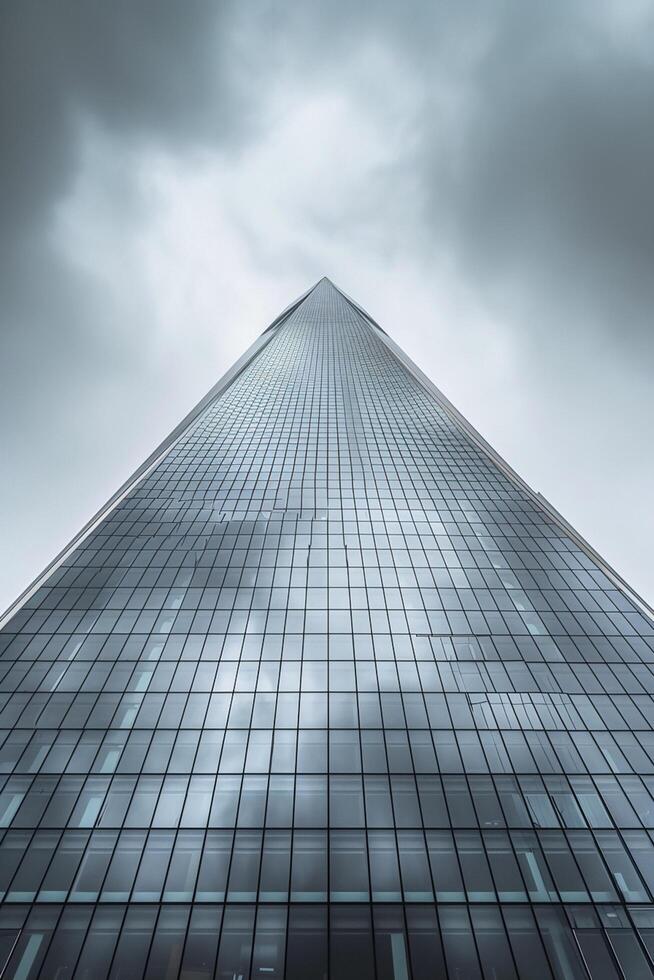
{"x": 327, "y": 691}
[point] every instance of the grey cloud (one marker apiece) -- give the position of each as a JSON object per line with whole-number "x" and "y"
{"x": 141, "y": 70}
{"x": 146, "y": 68}
{"x": 551, "y": 187}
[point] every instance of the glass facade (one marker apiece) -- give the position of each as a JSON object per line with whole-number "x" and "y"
{"x": 327, "y": 693}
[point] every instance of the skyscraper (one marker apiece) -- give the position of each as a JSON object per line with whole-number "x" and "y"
{"x": 327, "y": 691}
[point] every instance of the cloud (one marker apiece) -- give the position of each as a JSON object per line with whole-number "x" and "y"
{"x": 477, "y": 175}
{"x": 549, "y": 189}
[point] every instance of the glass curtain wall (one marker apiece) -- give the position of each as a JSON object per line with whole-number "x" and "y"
{"x": 327, "y": 694}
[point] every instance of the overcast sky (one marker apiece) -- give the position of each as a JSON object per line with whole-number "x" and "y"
{"x": 479, "y": 176}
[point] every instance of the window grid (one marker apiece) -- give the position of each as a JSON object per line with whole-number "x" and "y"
{"x": 325, "y": 692}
